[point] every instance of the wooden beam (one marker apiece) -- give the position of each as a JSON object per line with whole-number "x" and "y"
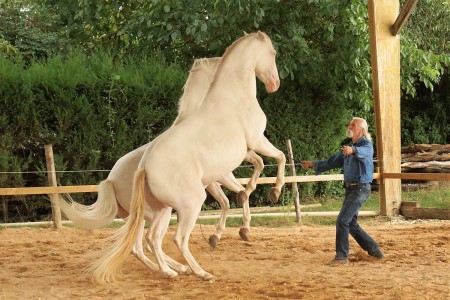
{"x": 425, "y": 213}
{"x": 48, "y": 190}
{"x": 385, "y": 60}
{"x": 289, "y": 179}
{"x": 418, "y": 176}
{"x": 403, "y": 16}
{"x": 94, "y": 188}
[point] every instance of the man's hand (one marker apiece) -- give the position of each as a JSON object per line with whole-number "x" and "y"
{"x": 306, "y": 164}
{"x": 347, "y": 150}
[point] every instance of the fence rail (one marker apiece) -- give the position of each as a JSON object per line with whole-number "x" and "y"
{"x": 94, "y": 188}
{"x": 262, "y": 180}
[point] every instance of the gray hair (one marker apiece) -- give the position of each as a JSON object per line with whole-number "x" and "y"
{"x": 363, "y": 125}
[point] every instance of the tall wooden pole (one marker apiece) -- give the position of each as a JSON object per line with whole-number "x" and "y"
{"x": 51, "y": 173}
{"x": 385, "y": 59}
{"x": 298, "y": 217}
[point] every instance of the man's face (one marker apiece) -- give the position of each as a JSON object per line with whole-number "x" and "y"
{"x": 353, "y": 129}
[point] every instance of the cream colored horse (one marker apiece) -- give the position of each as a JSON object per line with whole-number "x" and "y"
{"x": 205, "y": 147}
{"x": 115, "y": 192}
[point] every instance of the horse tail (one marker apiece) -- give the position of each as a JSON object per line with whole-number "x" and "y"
{"x": 108, "y": 267}
{"x": 96, "y": 215}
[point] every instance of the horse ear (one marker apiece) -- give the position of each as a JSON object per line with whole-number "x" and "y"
{"x": 261, "y": 35}
{"x": 245, "y": 33}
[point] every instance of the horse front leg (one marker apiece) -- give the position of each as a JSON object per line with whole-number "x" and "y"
{"x": 267, "y": 149}
{"x": 216, "y": 191}
{"x": 258, "y": 164}
{"x": 243, "y": 194}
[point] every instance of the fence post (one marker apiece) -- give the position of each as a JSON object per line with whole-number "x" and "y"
{"x": 298, "y": 217}
{"x": 5, "y": 210}
{"x": 51, "y": 173}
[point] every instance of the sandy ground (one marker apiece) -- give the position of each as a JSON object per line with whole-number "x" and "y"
{"x": 281, "y": 263}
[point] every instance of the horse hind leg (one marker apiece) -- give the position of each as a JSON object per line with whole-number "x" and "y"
{"x": 155, "y": 236}
{"x": 180, "y": 268}
{"x": 187, "y": 216}
{"x": 138, "y": 251}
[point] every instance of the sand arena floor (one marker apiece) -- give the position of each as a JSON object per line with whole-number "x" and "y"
{"x": 277, "y": 263}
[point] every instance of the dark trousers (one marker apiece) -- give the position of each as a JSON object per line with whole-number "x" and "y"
{"x": 346, "y": 222}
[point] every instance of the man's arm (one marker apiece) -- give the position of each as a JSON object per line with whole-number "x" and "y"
{"x": 319, "y": 166}
{"x": 363, "y": 151}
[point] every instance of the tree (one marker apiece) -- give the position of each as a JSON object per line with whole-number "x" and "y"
{"x": 32, "y": 28}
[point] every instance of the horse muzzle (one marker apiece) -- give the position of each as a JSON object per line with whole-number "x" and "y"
{"x": 272, "y": 86}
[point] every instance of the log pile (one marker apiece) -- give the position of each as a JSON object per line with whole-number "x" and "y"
{"x": 426, "y": 158}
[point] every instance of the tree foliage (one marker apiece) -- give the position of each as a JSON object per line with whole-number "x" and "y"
{"x": 31, "y": 30}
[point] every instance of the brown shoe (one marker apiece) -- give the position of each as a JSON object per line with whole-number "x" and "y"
{"x": 337, "y": 262}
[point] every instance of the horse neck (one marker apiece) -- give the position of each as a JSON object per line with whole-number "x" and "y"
{"x": 236, "y": 72}
{"x": 237, "y": 81}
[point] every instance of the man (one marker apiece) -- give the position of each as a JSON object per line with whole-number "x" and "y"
{"x": 357, "y": 161}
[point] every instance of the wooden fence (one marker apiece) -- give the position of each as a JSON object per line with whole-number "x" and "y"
{"x": 52, "y": 190}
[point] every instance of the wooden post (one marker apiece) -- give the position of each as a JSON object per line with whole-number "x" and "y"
{"x": 5, "y": 210}
{"x": 385, "y": 60}
{"x": 51, "y": 173}
{"x": 298, "y": 217}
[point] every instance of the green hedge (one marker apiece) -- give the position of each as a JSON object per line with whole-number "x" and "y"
{"x": 92, "y": 109}
{"x": 96, "y": 109}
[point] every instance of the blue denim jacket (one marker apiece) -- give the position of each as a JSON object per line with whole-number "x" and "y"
{"x": 358, "y": 167}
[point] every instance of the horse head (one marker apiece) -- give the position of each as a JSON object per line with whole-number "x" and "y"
{"x": 266, "y": 67}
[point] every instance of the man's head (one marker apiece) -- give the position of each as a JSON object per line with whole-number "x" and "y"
{"x": 357, "y": 128}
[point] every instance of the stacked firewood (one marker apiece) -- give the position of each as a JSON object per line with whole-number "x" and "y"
{"x": 426, "y": 158}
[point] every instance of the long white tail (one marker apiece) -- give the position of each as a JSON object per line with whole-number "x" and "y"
{"x": 96, "y": 215}
{"x": 108, "y": 267}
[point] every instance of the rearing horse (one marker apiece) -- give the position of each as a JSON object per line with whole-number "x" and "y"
{"x": 205, "y": 147}
{"x": 114, "y": 195}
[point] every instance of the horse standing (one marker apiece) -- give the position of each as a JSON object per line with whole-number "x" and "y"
{"x": 205, "y": 147}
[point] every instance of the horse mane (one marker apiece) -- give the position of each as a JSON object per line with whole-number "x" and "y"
{"x": 230, "y": 48}
{"x": 207, "y": 63}
{"x": 189, "y": 104}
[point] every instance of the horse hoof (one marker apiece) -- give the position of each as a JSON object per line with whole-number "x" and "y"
{"x": 241, "y": 197}
{"x": 213, "y": 240}
{"x": 185, "y": 270}
{"x": 243, "y": 233}
{"x": 208, "y": 277}
{"x": 171, "y": 274}
{"x": 273, "y": 195}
